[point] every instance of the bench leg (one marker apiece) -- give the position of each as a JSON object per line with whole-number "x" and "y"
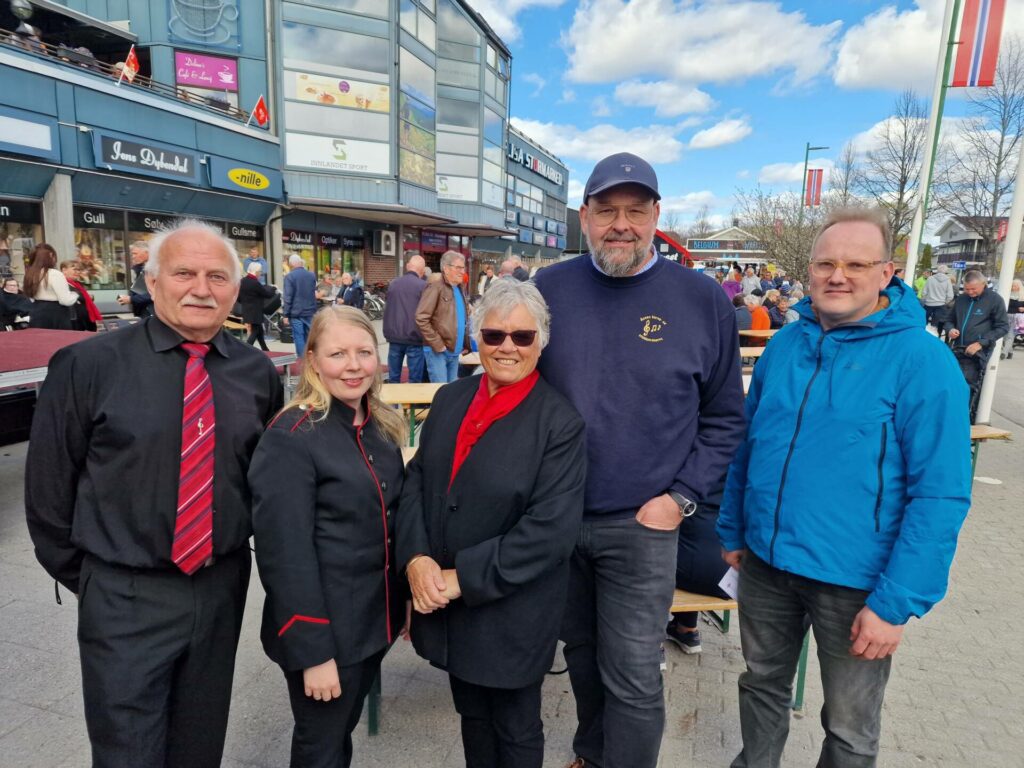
{"x": 412, "y": 427}
{"x": 373, "y": 708}
{"x": 801, "y": 677}
{"x": 975, "y": 446}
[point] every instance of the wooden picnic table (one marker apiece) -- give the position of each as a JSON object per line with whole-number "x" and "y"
{"x": 471, "y": 358}
{"x": 760, "y": 334}
{"x": 409, "y": 397}
{"x": 981, "y": 433}
{"x": 751, "y": 351}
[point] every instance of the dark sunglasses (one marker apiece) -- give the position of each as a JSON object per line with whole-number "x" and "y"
{"x": 495, "y": 338}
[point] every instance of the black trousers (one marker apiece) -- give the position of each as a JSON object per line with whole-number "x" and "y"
{"x": 257, "y": 336}
{"x": 158, "y": 657}
{"x": 501, "y": 727}
{"x": 322, "y": 737}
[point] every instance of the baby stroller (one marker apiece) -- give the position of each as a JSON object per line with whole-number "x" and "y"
{"x": 1018, "y": 331}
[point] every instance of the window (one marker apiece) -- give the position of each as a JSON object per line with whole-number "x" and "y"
{"x": 344, "y": 122}
{"x": 461, "y": 73}
{"x": 416, "y": 22}
{"x": 458, "y": 51}
{"x": 494, "y": 127}
{"x": 369, "y": 7}
{"x": 417, "y": 78}
{"x": 332, "y": 50}
{"x": 459, "y": 143}
{"x": 458, "y": 114}
{"x": 416, "y": 112}
{"x": 417, "y": 143}
{"x": 454, "y": 26}
{"x": 459, "y": 165}
{"x": 492, "y": 57}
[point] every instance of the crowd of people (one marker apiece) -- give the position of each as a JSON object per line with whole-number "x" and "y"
{"x": 605, "y": 455}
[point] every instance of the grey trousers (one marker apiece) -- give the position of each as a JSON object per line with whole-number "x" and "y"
{"x": 774, "y": 605}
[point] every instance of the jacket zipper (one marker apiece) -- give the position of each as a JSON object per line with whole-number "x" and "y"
{"x": 881, "y": 479}
{"x": 963, "y": 328}
{"x": 789, "y": 454}
{"x": 384, "y": 519}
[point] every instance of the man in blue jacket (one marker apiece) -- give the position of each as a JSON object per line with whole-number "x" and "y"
{"x": 844, "y": 502}
{"x": 299, "y": 301}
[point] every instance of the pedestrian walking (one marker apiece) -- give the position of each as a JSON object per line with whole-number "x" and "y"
{"x": 138, "y": 297}
{"x": 48, "y": 288}
{"x": 253, "y": 295}
{"x": 937, "y": 292}
{"x": 405, "y": 342}
{"x": 299, "y": 301}
{"x": 977, "y": 326}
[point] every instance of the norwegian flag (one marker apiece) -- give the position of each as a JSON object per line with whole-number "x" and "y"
{"x": 130, "y": 68}
{"x": 980, "y": 29}
{"x": 260, "y": 113}
{"x": 812, "y": 197}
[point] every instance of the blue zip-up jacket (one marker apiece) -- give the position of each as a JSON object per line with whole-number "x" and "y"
{"x": 856, "y": 467}
{"x": 299, "y": 293}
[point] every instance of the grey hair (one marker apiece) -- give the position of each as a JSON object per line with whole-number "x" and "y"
{"x": 159, "y": 240}
{"x": 974, "y": 276}
{"x": 449, "y": 256}
{"x": 142, "y": 245}
{"x": 254, "y": 268}
{"x": 752, "y": 301}
{"x": 504, "y": 295}
{"x": 295, "y": 260}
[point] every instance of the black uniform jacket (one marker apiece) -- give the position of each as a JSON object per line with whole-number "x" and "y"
{"x": 508, "y": 526}
{"x": 253, "y": 295}
{"x": 324, "y": 496}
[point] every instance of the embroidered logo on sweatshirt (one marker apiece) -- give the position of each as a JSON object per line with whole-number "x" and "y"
{"x": 653, "y": 327}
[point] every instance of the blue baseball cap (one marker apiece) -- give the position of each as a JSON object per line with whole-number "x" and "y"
{"x": 621, "y": 168}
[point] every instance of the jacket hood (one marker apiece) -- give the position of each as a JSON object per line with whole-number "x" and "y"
{"x": 903, "y": 311}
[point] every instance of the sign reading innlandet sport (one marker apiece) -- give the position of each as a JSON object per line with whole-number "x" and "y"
{"x": 326, "y": 153}
{"x": 114, "y": 152}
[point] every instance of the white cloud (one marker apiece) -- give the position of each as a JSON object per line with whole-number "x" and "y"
{"x": 654, "y": 143}
{"x": 501, "y": 14}
{"x": 721, "y": 133}
{"x": 599, "y": 107}
{"x": 789, "y": 173}
{"x": 896, "y": 49}
{"x": 576, "y": 187}
{"x": 698, "y": 41}
{"x": 536, "y": 81}
{"x": 668, "y": 99}
{"x": 688, "y": 203}
{"x": 743, "y": 174}
{"x": 568, "y": 96}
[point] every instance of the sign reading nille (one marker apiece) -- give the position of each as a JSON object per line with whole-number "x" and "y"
{"x": 248, "y": 178}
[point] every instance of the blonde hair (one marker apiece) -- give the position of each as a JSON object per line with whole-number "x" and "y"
{"x": 311, "y": 393}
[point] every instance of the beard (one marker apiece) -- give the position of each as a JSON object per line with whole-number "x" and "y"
{"x": 619, "y": 262}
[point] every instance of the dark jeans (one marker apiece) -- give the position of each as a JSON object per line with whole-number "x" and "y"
{"x": 774, "y": 606}
{"x": 158, "y": 657}
{"x": 414, "y": 353}
{"x": 621, "y": 579}
{"x": 501, "y": 728}
{"x": 256, "y": 337}
{"x": 699, "y": 566}
{"x": 322, "y": 737}
{"x": 973, "y": 369}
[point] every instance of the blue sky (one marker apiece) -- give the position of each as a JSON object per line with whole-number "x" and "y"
{"x": 718, "y": 94}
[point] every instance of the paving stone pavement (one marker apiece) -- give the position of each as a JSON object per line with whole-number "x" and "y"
{"x": 954, "y": 698}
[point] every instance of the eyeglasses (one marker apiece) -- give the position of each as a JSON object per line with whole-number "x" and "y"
{"x": 826, "y": 267}
{"x": 603, "y": 215}
{"x": 494, "y": 338}
{"x": 457, "y": 267}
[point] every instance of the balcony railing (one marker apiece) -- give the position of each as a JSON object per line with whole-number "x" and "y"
{"x": 62, "y": 54}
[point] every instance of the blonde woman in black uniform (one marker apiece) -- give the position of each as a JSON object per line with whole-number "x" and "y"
{"x": 326, "y": 479}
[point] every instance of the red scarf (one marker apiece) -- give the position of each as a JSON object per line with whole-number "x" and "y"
{"x": 484, "y": 411}
{"x": 90, "y": 306}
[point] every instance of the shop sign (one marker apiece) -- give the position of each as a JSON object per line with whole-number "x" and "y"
{"x": 353, "y": 243}
{"x": 434, "y": 240}
{"x": 519, "y": 155}
{"x": 20, "y": 212}
{"x": 244, "y": 177}
{"x": 526, "y": 219}
{"x": 27, "y": 133}
{"x": 459, "y": 188}
{"x": 245, "y": 231}
{"x": 525, "y": 236}
{"x": 510, "y": 217}
{"x": 98, "y": 218}
{"x": 115, "y": 152}
{"x": 724, "y": 245}
{"x": 214, "y": 72}
{"x": 551, "y": 226}
{"x": 295, "y": 237}
{"x": 538, "y": 238}
{"x": 328, "y": 241}
{"x": 327, "y": 153}
{"x": 334, "y": 92}
{"x": 562, "y": 229}
{"x": 149, "y": 222}
{"x": 550, "y": 241}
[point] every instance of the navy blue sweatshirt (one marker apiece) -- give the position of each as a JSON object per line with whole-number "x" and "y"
{"x": 652, "y": 363}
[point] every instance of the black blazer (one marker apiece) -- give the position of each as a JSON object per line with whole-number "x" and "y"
{"x": 324, "y": 494}
{"x": 508, "y": 527}
{"x": 253, "y": 295}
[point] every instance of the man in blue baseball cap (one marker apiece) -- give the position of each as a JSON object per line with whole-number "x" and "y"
{"x": 648, "y": 352}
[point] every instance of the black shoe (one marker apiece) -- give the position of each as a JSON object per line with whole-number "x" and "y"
{"x": 688, "y": 641}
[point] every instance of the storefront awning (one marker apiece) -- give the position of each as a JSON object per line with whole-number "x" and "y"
{"x": 383, "y": 213}
{"x": 476, "y": 230}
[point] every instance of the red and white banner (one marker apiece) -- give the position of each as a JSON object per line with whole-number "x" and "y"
{"x": 812, "y": 197}
{"x": 130, "y": 68}
{"x": 260, "y": 113}
{"x": 1001, "y": 231}
{"x": 981, "y": 26}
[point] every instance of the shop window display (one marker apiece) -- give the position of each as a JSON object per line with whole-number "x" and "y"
{"x": 100, "y": 248}
{"x": 17, "y": 239}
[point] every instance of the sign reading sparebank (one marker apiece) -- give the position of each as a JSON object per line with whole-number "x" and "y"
{"x": 244, "y": 177}
{"x": 327, "y": 153}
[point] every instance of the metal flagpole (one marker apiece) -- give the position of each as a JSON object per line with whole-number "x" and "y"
{"x": 934, "y": 126}
{"x": 1011, "y": 245}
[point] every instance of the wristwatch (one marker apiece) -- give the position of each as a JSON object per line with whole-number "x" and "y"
{"x": 686, "y": 506}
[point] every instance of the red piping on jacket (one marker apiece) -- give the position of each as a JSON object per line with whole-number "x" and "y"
{"x": 384, "y": 520}
{"x": 297, "y": 617}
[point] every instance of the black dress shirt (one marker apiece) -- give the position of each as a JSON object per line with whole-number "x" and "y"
{"x": 102, "y": 471}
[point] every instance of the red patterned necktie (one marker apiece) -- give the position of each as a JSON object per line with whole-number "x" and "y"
{"x": 193, "y": 527}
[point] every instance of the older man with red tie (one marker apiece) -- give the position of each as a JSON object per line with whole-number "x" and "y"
{"x": 137, "y": 502}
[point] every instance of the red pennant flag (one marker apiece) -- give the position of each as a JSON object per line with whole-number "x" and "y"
{"x": 812, "y": 197}
{"x": 131, "y": 66}
{"x": 981, "y": 26}
{"x": 1001, "y": 232}
{"x": 260, "y": 113}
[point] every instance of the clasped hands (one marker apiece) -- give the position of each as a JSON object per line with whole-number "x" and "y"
{"x": 432, "y": 587}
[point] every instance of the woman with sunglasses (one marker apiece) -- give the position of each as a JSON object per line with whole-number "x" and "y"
{"x": 488, "y": 519}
